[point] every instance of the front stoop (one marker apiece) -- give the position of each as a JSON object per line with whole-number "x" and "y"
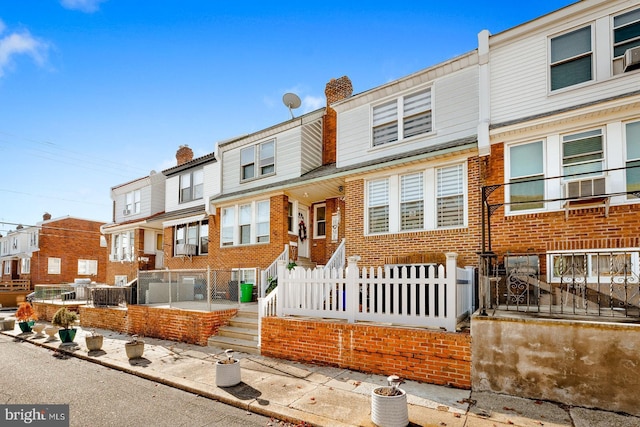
{"x": 241, "y": 334}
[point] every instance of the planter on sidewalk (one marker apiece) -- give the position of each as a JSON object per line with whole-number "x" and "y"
{"x": 389, "y": 405}
{"x": 228, "y": 371}
{"x": 94, "y": 341}
{"x": 8, "y": 324}
{"x": 134, "y": 348}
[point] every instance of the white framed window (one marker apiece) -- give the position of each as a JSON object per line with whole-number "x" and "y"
{"x": 320, "y": 221}
{"x": 583, "y": 154}
{"x": 416, "y": 112}
{"x": 123, "y": 246}
{"x": 598, "y": 265}
{"x": 632, "y": 136}
{"x": 192, "y": 186}
{"x": 7, "y": 267}
{"x": 33, "y": 239}
{"x": 290, "y": 222}
{"x": 378, "y": 205}
{"x": 244, "y": 275}
{"x": 450, "y": 196}
{"x": 195, "y": 234}
{"x": 571, "y": 59}
{"x": 626, "y": 32}
{"x": 120, "y": 280}
{"x": 246, "y": 224}
{"x": 14, "y": 243}
{"x": 25, "y": 265}
{"x": 53, "y": 265}
{"x": 87, "y": 267}
{"x": 412, "y": 201}
{"x": 132, "y": 202}
{"x": 526, "y": 176}
{"x": 265, "y": 153}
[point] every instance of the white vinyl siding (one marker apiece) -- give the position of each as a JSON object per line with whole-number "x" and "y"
{"x": 526, "y": 164}
{"x": 412, "y": 202}
{"x": 450, "y": 207}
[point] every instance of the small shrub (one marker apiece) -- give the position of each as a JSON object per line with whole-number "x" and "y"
{"x": 64, "y": 318}
{"x": 26, "y": 312}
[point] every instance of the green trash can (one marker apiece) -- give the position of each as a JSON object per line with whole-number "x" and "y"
{"x": 246, "y": 292}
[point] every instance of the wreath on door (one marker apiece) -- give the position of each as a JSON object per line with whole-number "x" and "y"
{"x": 302, "y": 229}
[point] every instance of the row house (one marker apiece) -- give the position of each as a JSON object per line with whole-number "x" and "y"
{"x": 54, "y": 251}
{"x": 135, "y": 240}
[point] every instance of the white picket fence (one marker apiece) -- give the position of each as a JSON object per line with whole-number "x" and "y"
{"x": 413, "y": 295}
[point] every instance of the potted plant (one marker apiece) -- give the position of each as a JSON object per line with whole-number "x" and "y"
{"x": 64, "y": 319}
{"x": 228, "y": 370}
{"x": 389, "y": 404}
{"x": 134, "y": 348}
{"x": 94, "y": 341}
{"x": 26, "y": 316}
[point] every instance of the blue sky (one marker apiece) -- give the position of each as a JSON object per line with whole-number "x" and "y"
{"x": 96, "y": 93}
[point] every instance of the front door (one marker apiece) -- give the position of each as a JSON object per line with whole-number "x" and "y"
{"x": 303, "y": 231}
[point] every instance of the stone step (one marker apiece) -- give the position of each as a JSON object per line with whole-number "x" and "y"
{"x": 237, "y": 344}
{"x": 244, "y": 322}
{"x": 241, "y": 333}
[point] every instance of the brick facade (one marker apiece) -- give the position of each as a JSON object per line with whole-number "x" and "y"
{"x": 376, "y": 250}
{"x": 70, "y": 240}
{"x": 323, "y": 248}
{"x": 434, "y": 357}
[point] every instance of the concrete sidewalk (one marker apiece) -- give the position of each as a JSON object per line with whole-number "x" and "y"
{"x": 318, "y": 395}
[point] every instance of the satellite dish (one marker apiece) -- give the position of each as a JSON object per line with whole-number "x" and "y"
{"x": 292, "y": 101}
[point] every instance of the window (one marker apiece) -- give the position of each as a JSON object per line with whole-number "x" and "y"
{"x": 450, "y": 188}
{"x": 191, "y": 186}
{"x": 265, "y": 153}
{"x": 53, "y": 265}
{"x": 246, "y": 224}
{"x": 14, "y": 243}
{"x": 33, "y": 240}
{"x": 122, "y": 248}
{"x": 290, "y": 218}
{"x": 25, "y": 266}
{"x": 626, "y": 32}
{"x": 582, "y": 154}
{"x": 571, "y": 58}
{"x": 378, "y": 202}
{"x": 526, "y": 165}
{"x": 132, "y": 202}
{"x": 87, "y": 267}
{"x": 7, "y": 267}
{"x": 195, "y": 234}
{"x": 244, "y": 275}
{"x": 320, "y": 221}
{"x": 415, "y": 110}
{"x": 632, "y": 135}
{"x": 594, "y": 265}
{"x": 120, "y": 280}
{"x": 412, "y": 202}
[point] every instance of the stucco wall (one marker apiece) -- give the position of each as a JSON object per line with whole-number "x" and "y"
{"x": 588, "y": 364}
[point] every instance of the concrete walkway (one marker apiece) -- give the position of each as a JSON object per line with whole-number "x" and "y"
{"x": 318, "y": 395}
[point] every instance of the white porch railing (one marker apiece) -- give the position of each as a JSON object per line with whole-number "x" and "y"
{"x": 405, "y": 295}
{"x": 271, "y": 272}
{"x": 338, "y": 258}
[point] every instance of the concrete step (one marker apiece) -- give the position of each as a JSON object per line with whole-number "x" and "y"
{"x": 244, "y": 322}
{"x": 237, "y": 344}
{"x": 241, "y": 333}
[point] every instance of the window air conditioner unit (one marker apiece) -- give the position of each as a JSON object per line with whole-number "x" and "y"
{"x": 585, "y": 188}
{"x": 126, "y": 212}
{"x": 185, "y": 249}
{"x": 632, "y": 59}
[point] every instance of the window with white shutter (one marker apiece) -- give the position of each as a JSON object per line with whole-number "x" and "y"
{"x": 417, "y": 114}
{"x": 412, "y": 202}
{"x": 378, "y": 199}
{"x": 385, "y": 123}
{"x": 450, "y": 196}
{"x": 415, "y": 111}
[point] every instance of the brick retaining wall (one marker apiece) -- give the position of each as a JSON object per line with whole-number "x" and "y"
{"x": 435, "y": 357}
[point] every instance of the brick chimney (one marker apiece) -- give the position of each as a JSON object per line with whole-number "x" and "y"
{"x": 336, "y": 90}
{"x": 184, "y": 154}
{"x": 46, "y": 216}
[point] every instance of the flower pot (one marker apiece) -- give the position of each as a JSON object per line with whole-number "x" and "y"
{"x": 134, "y": 349}
{"x": 227, "y": 374}
{"x": 51, "y": 331}
{"x": 93, "y": 342}
{"x": 24, "y": 326}
{"x": 38, "y": 328}
{"x": 8, "y": 324}
{"x": 389, "y": 411}
{"x": 67, "y": 335}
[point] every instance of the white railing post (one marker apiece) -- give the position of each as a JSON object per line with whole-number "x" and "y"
{"x": 452, "y": 289}
{"x": 472, "y": 287}
{"x": 282, "y": 288}
{"x": 352, "y": 288}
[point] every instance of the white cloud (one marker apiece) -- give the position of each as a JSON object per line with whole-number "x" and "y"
{"x": 87, "y": 6}
{"x": 312, "y": 103}
{"x": 20, "y": 44}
